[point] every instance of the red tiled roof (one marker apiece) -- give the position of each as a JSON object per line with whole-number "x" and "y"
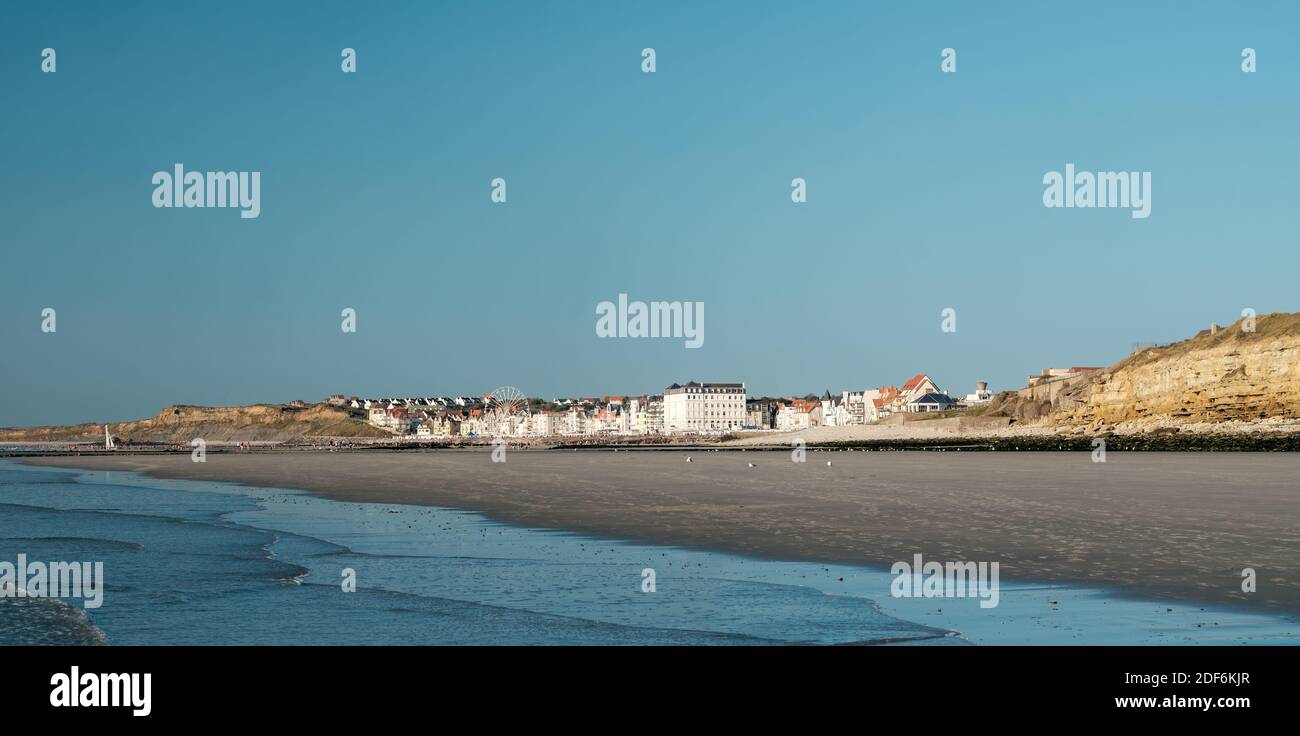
{"x": 914, "y": 381}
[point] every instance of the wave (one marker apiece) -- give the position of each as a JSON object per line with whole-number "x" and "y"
{"x": 89, "y": 541}
{"x": 587, "y": 630}
{"x": 47, "y": 621}
{"x": 229, "y": 603}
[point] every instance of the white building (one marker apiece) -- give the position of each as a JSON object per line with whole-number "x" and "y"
{"x": 867, "y": 401}
{"x": 575, "y": 422}
{"x": 982, "y": 394}
{"x": 548, "y": 423}
{"x": 633, "y": 418}
{"x": 798, "y": 414}
{"x": 704, "y": 407}
{"x": 653, "y": 415}
{"x": 835, "y": 411}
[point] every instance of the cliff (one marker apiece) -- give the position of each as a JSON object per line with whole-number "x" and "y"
{"x": 180, "y": 424}
{"x": 1230, "y": 376}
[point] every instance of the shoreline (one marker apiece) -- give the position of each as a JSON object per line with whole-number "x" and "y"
{"x": 924, "y": 433}
{"x": 1185, "y": 537}
{"x": 1166, "y": 439}
{"x": 1031, "y": 612}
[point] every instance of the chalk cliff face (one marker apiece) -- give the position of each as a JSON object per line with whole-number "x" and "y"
{"x": 180, "y": 424}
{"x": 1232, "y": 375}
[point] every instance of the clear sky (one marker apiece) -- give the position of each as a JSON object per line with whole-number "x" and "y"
{"x": 924, "y": 192}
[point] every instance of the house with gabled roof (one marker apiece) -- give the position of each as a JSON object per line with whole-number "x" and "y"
{"x": 933, "y": 401}
{"x": 919, "y": 385}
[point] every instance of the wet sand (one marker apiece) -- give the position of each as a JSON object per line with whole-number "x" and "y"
{"x": 1172, "y": 526}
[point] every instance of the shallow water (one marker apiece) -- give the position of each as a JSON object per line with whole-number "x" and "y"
{"x": 207, "y": 563}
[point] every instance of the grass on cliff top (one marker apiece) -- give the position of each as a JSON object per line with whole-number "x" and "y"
{"x": 1267, "y": 327}
{"x": 314, "y": 420}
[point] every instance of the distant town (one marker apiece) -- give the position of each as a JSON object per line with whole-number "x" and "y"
{"x": 682, "y": 409}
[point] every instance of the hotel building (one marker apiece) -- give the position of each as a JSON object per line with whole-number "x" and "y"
{"x": 704, "y": 407}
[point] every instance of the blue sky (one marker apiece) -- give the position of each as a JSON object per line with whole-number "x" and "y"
{"x": 924, "y": 192}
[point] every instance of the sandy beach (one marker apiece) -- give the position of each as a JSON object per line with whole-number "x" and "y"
{"x": 1170, "y": 526}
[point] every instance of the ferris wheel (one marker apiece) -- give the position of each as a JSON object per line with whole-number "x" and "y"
{"x": 502, "y": 406}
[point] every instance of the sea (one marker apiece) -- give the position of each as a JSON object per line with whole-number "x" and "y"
{"x": 189, "y": 562}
